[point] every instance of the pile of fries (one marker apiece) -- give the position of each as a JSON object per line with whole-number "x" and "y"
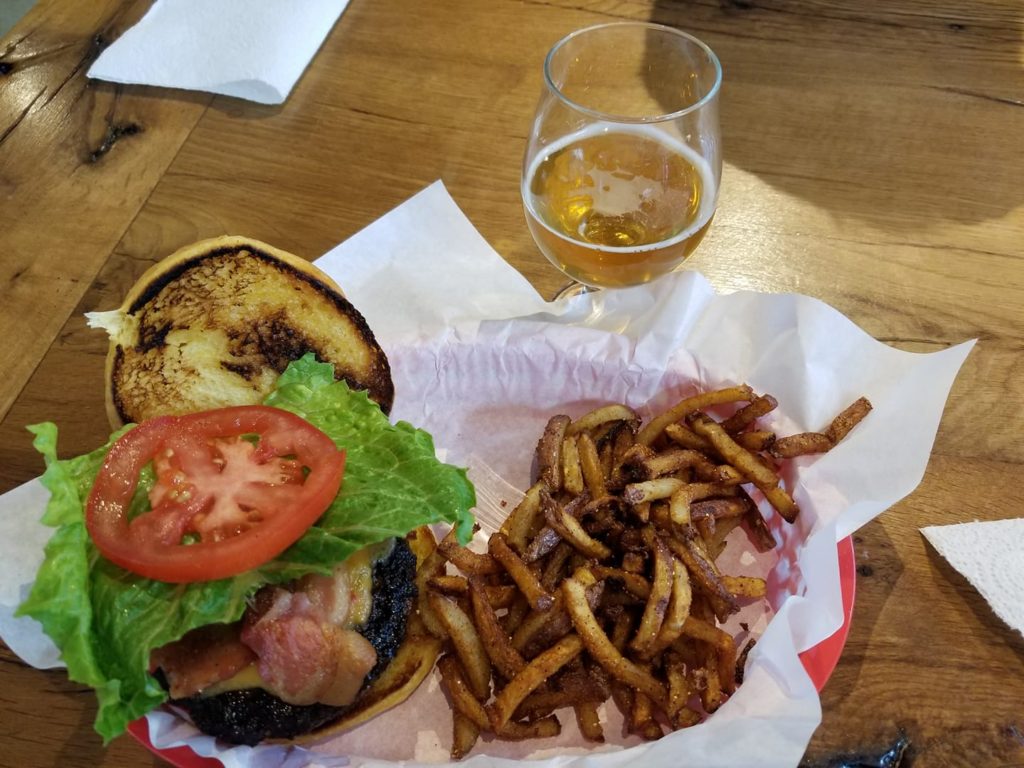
{"x": 602, "y": 583}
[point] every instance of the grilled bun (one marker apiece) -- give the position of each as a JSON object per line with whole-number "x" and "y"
{"x": 216, "y": 323}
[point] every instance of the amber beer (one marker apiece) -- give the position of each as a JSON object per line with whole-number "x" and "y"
{"x": 614, "y": 206}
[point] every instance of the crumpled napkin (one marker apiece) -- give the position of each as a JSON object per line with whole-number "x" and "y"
{"x": 251, "y": 49}
{"x": 990, "y": 555}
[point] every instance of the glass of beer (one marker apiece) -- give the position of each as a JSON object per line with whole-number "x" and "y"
{"x": 621, "y": 173}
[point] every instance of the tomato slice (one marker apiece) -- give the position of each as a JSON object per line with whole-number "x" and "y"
{"x": 234, "y": 488}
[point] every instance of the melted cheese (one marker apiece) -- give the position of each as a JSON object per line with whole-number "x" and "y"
{"x": 245, "y": 678}
{"x": 360, "y": 580}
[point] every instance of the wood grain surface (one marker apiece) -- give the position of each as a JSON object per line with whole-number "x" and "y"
{"x": 874, "y": 159}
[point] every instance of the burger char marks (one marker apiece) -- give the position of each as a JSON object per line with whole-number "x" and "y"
{"x": 184, "y": 294}
{"x": 153, "y": 336}
{"x": 273, "y": 340}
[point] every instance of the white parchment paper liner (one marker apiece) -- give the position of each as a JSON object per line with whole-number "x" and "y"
{"x": 480, "y": 361}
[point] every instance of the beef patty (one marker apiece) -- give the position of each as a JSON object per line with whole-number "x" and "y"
{"x": 250, "y": 715}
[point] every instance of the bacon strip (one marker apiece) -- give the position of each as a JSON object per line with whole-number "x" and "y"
{"x": 201, "y": 658}
{"x": 302, "y": 658}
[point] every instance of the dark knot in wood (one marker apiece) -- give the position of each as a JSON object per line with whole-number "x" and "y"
{"x": 115, "y": 132}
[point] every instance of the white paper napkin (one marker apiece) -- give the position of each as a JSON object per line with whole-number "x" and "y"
{"x": 991, "y": 555}
{"x": 251, "y": 49}
{"x": 481, "y": 362}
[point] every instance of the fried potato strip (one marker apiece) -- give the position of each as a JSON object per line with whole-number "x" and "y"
{"x": 766, "y": 480}
{"x": 598, "y": 643}
{"x": 689, "y": 405}
{"x": 531, "y": 677}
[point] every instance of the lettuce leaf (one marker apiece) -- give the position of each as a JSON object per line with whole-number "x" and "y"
{"x": 107, "y": 621}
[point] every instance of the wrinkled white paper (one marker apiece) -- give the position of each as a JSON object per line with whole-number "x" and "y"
{"x": 990, "y": 554}
{"x": 482, "y": 363}
{"x": 251, "y": 49}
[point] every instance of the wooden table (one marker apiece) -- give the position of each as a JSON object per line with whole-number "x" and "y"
{"x": 874, "y": 159}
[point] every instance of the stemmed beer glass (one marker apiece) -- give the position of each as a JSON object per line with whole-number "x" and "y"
{"x": 621, "y": 174}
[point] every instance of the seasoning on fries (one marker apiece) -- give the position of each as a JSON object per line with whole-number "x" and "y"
{"x": 602, "y": 584}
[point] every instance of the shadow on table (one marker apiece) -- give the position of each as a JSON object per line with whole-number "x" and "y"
{"x": 84, "y": 746}
{"x": 993, "y": 627}
{"x": 879, "y": 567}
{"x": 870, "y": 110}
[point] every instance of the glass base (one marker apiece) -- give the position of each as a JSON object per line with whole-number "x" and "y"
{"x": 574, "y": 289}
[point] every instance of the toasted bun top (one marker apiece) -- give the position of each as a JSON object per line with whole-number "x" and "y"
{"x": 215, "y": 323}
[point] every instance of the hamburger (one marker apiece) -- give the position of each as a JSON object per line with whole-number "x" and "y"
{"x": 244, "y": 548}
